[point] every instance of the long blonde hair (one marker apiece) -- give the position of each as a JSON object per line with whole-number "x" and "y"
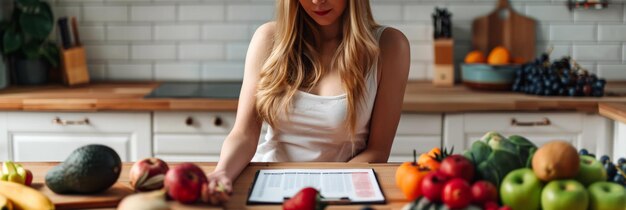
{"x": 294, "y": 62}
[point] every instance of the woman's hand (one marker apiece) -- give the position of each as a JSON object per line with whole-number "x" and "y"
{"x": 219, "y": 188}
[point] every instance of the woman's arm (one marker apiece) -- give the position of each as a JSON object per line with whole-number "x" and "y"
{"x": 393, "y": 68}
{"x": 240, "y": 145}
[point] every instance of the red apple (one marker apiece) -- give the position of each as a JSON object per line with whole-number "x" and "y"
{"x": 505, "y": 208}
{"x": 432, "y": 185}
{"x": 148, "y": 174}
{"x": 483, "y": 192}
{"x": 491, "y": 206}
{"x": 29, "y": 178}
{"x": 457, "y": 193}
{"x": 184, "y": 182}
{"x": 457, "y": 166}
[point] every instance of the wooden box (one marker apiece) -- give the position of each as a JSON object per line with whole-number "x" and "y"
{"x": 75, "y": 70}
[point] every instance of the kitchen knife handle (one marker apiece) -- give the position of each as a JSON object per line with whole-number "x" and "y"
{"x": 75, "y": 32}
{"x": 66, "y": 40}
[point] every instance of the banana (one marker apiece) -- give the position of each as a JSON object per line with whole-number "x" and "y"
{"x": 24, "y": 197}
{"x": 5, "y": 203}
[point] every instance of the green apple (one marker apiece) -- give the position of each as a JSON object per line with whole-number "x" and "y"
{"x": 8, "y": 168}
{"x": 591, "y": 170}
{"x": 564, "y": 194}
{"x": 521, "y": 189}
{"x": 607, "y": 196}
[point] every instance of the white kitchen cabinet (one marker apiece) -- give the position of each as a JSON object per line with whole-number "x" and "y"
{"x": 619, "y": 141}
{"x": 589, "y": 131}
{"x": 191, "y": 136}
{"x": 421, "y": 132}
{"x": 48, "y": 136}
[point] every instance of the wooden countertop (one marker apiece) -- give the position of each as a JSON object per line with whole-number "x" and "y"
{"x": 615, "y": 111}
{"x": 420, "y": 97}
{"x": 384, "y": 172}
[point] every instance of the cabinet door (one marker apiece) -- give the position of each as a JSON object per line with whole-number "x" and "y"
{"x": 29, "y": 147}
{"x": 421, "y": 132}
{"x": 582, "y": 130}
{"x": 56, "y": 133}
{"x": 188, "y": 147}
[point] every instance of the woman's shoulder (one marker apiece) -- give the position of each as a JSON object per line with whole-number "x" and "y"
{"x": 392, "y": 38}
{"x": 266, "y": 30}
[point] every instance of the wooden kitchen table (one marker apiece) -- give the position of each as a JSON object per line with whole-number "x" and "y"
{"x": 384, "y": 172}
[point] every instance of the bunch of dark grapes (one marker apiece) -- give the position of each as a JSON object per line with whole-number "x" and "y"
{"x": 562, "y": 77}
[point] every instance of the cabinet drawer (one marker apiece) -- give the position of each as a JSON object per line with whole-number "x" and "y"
{"x": 193, "y": 122}
{"x": 77, "y": 122}
{"x": 56, "y": 147}
{"x": 504, "y": 122}
{"x": 420, "y": 124}
{"x": 172, "y": 144}
{"x": 402, "y": 148}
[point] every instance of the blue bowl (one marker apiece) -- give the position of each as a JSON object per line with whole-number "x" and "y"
{"x": 488, "y": 77}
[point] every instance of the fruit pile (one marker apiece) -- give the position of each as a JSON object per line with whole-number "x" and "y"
{"x": 614, "y": 172}
{"x": 449, "y": 184}
{"x": 562, "y": 77}
{"x": 495, "y": 156}
{"x": 14, "y": 172}
{"x": 498, "y": 56}
{"x": 562, "y": 179}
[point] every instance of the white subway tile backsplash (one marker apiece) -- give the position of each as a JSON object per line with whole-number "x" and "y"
{"x": 236, "y": 51}
{"x": 154, "y": 52}
{"x": 201, "y": 13}
{"x": 153, "y": 13}
{"x": 129, "y": 33}
{"x": 612, "y": 72}
{"x": 222, "y": 71}
{"x": 208, "y": 39}
{"x": 177, "y": 32}
{"x": 256, "y": 13}
{"x": 612, "y": 32}
{"x": 106, "y": 52}
{"x": 387, "y": 12}
{"x": 422, "y": 52}
{"x": 177, "y": 71}
{"x": 612, "y": 13}
{"x": 105, "y": 13}
{"x": 469, "y": 12}
{"x": 417, "y": 71}
{"x": 573, "y": 33}
{"x": 91, "y": 33}
{"x": 199, "y": 51}
{"x": 597, "y": 52}
{"x": 126, "y": 71}
{"x": 226, "y": 32}
{"x": 96, "y": 72}
{"x": 416, "y": 32}
{"x": 547, "y": 13}
{"x": 419, "y": 12}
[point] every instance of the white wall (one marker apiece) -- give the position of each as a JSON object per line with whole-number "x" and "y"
{"x": 196, "y": 40}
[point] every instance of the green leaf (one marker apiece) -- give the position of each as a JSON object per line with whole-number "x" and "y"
{"x": 12, "y": 41}
{"x": 28, "y": 2}
{"x": 39, "y": 24}
{"x": 51, "y": 53}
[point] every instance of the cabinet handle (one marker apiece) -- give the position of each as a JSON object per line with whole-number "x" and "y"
{"x": 189, "y": 121}
{"x": 59, "y": 121}
{"x": 544, "y": 122}
{"x": 217, "y": 121}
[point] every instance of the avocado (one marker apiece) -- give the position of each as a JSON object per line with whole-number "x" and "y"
{"x": 89, "y": 169}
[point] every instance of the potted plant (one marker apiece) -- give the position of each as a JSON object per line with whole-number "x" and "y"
{"x": 25, "y": 41}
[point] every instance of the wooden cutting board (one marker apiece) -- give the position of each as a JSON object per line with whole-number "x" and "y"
{"x": 107, "y": 199}
{"x": 505, "y": 27}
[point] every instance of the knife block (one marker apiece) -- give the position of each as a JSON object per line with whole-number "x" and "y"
{"x": 444, "y": 63}
{"x": 75, "y": 70}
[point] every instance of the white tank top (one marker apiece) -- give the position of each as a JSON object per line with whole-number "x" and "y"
{"x": 315, "y": 129}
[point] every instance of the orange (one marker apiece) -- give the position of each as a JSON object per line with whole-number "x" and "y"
{"x": 408, "y": 178}
{"x": 499, "y": 56}
{"x": 475, "y": 57}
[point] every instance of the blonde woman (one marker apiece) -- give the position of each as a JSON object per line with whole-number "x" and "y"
{"x": 327, "y": 80}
